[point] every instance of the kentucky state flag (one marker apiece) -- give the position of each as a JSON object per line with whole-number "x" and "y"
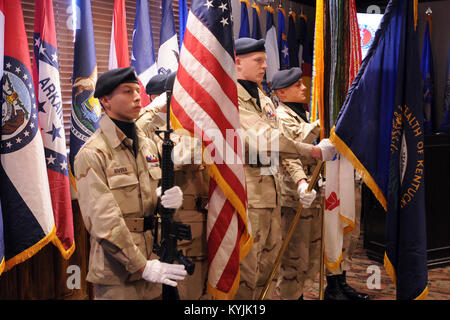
{"x": 385, "y": 99}
{"x": 445, "y": 124}
{"x": 25, "y": 194}
{"x": 86, "y": 110}
{"x": 427, "y": 77}
{"x": 49, "y": 101}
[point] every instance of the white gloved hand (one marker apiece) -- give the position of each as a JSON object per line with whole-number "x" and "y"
{"x": 172, "y": 198}
{"x": 165, "y": 273}
{"x": 328, "y": 149}
{"x": 306, "y": 199}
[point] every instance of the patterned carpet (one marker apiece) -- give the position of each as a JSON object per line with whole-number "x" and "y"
{"x": 438, "y": 280}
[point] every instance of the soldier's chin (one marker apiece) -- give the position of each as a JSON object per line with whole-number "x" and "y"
{"x": 259, "y": 79}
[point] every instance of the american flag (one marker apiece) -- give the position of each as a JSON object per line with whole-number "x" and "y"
{"x": 205, "y": 103}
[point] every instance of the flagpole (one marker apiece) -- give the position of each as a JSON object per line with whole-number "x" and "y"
{"x": 325, "y": 134}
{"x": 322, "y": 247}
{"x": 312, "y": 183}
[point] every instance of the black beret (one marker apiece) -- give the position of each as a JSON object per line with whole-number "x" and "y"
{"x": 156, "y": 84}
{"x": 111, "y": 79}
{"x": 285, "y": 78}
{"x": 247, "y": 45}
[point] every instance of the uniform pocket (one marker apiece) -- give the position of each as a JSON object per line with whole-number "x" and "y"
{"x": 125, "y": 189}
{"x": 261, "y": 192}
{"x": 155, "y": 172}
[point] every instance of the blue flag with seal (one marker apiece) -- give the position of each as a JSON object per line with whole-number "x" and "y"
{"x": 282, "y": 39}
{"x": 244, "y": 30}
{"x": 86, "y": 111}
{"x": 385, "y": 99}
{"x": 256, "y": 26}
{"x": 427, "y": 77}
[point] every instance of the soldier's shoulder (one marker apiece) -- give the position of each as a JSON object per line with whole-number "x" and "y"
{"x": 94, "y": 144}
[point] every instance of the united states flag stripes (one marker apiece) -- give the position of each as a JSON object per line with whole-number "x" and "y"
{"x": 204, "y": 102}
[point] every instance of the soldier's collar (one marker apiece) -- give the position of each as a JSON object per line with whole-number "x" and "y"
{"x": 109, "y": 128}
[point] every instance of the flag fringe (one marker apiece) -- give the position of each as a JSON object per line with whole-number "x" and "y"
{"x": 390, "y": 270}
{"x": 31, "y": 251}
{"x": 333, "y": 266}
{"x": 65, "y": 253}
{"x": 423, "y": 295}
{"x": 269, "y": 8}
{"x": 357, "y": 165}
{"x": 2, "y": 265}
{"x": 221, "y": 295}
{"x": 246, "y": 2}
{"x": 256, "y": 8}
{"x": 350, "y": 225}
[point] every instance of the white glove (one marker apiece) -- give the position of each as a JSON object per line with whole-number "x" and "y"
{"x": 328, "y": 149}
{"x": 306, "y": 199}
{"x": 172, "y": 198}
{"x": 165, "y": 273}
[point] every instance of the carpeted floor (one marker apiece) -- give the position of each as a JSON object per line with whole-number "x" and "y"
{"x": 357, "y": 277}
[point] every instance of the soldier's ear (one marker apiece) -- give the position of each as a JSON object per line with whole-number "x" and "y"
{"x": 281, "y": 94}
{"x": 104, "y": 101}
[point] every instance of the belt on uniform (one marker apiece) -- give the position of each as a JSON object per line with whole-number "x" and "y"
{"x": 139, "y": 224}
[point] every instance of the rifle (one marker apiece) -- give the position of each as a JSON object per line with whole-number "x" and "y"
{"x": 171, "y": 231}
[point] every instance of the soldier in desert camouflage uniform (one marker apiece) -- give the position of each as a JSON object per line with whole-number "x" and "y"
{"x": 193, "y": 180}
{"x": 301, "y": 260}
{"x": 116, "y": 180}
{"x": 259, "y": 123}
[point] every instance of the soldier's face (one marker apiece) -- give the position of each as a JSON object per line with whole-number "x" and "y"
{"x": 124, "y": 103}
{"x": 294, "y": 93}
{"x": 251, "y": 66}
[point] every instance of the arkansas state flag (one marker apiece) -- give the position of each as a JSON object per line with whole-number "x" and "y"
{"x": 49, "y": 102}
{"x": 25, "y": 195}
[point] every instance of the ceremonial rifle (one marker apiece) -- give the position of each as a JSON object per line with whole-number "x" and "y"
{"x": 171, "y": 231}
